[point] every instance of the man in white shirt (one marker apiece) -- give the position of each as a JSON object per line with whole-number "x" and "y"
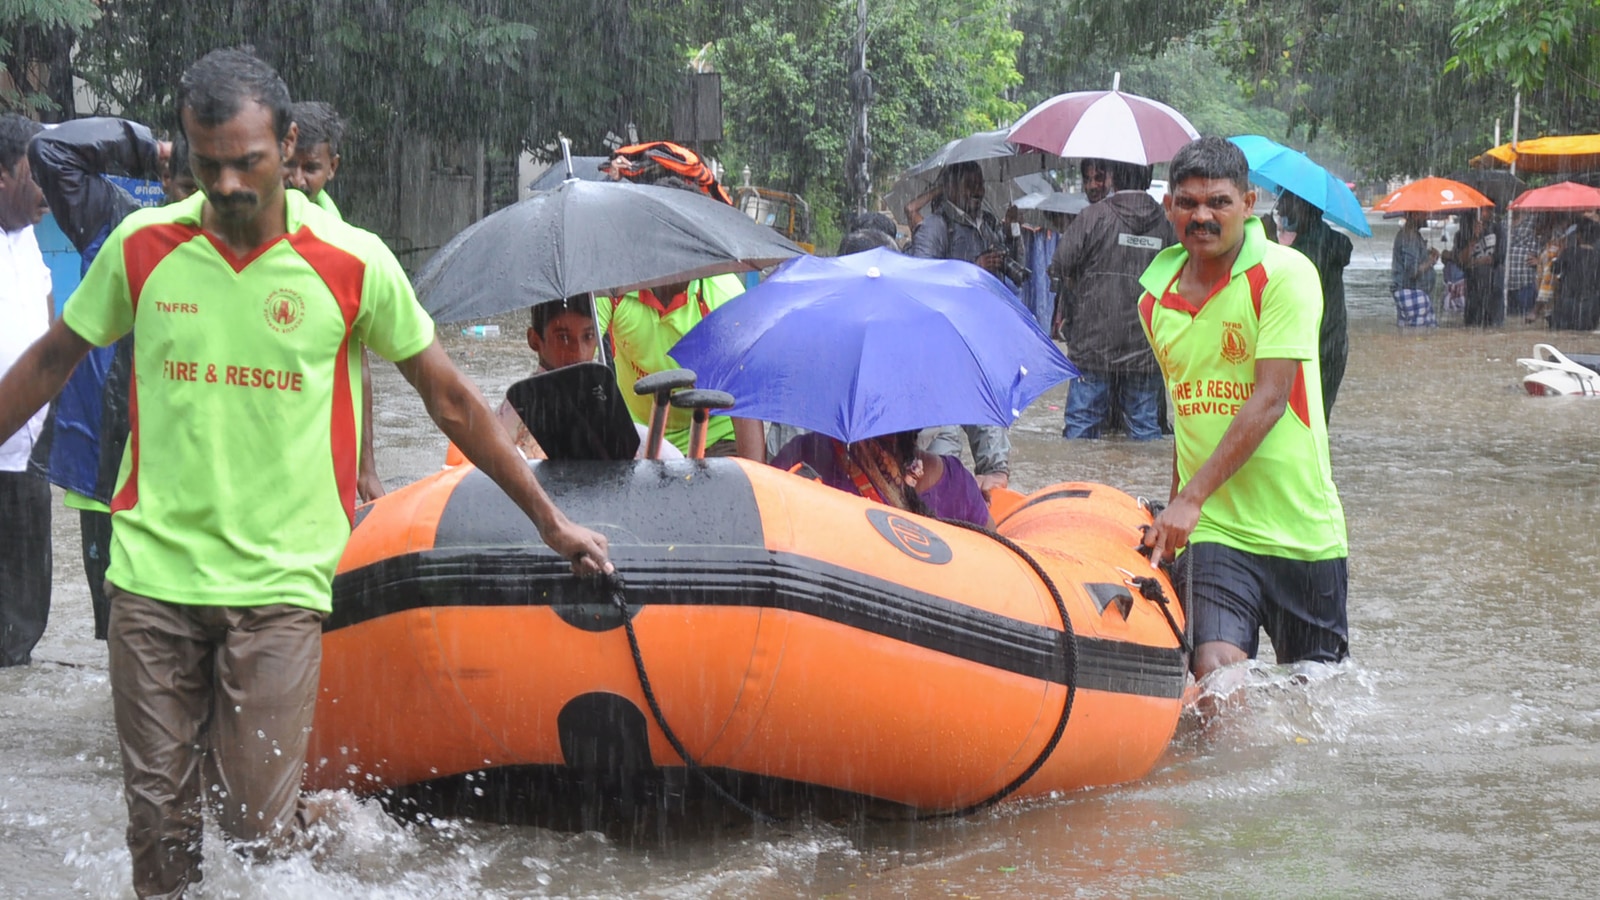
{"x": 26, "y": 306}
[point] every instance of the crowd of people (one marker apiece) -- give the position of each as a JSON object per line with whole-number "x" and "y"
{"x": 1546, "y": 273}
{"x": 247, "y": 304}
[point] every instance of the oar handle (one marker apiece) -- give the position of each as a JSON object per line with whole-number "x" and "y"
{"x": 660, "y": 386}
{"x": 702, "y": 402}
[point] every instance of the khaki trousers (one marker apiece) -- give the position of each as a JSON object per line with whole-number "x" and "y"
{"x": 216, "y": 703}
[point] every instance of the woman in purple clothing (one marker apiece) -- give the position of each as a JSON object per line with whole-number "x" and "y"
{"x": 891, "y": 470}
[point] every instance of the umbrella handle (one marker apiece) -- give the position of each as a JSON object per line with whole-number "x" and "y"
{"x": 702, "y": 402}
{"x": 660, "y": 385}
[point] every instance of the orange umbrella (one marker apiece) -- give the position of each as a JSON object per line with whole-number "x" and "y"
{"x": 1567, "y": 196}
{"x": 1432, "y": 195}
{"x": 1558, "y": 153}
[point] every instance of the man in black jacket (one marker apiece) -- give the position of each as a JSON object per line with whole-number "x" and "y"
{"x": 1099, "y": 261}
{"x": 1329, "y": 251}
{"x": 89, "y": 424}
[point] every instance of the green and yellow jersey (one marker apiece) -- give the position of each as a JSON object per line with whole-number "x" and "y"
{"x": 238, "y": 484}
{"x": 644, "y": 328}
{"x": 1282, "y": 501}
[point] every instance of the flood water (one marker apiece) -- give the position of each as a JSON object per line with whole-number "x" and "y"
{"x": 1452, "y": 756}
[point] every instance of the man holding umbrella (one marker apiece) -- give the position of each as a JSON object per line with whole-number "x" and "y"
{"x": 1233, "y": 320}
{"x": 1329, "y": 251}
{"x": 959, "y": 228}
{"x": 1099, "y": 261}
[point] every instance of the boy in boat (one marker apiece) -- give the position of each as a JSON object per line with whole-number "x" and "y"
{"x": 562, "y": 333}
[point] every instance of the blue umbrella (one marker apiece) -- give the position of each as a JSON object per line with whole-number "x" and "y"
{"x": 1281, "y": 168}
{"x": 875, "y": 343}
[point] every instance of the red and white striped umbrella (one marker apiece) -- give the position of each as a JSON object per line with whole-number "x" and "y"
{"x": 1104, "y": 125}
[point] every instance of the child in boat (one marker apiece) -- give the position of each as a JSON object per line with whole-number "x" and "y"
{"x": 562, "y": 333}
{"x": 892, "y": 471}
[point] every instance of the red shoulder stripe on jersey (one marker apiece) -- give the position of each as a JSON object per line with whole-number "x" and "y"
{"x": 1147, "y": 311}
{"x": 343, "y": 273}
{"x": 1298, "y": 399}
{"x": 1257, "y": 276}
{"x": 129, "y": 494}
{"x": 144, "y": 249}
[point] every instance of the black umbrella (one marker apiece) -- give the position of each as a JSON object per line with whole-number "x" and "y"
{"x": 606, "y": 237}
{"x": 1501, "y": 187}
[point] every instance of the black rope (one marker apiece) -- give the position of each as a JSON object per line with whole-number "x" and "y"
{"x": 1069, "y": 646}
{"x": 1069, "y": 651}
{"x": 1150, "y": 589}
{"x": 618, "y": 597}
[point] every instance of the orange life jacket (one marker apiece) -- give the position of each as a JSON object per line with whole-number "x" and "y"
{"x": 655, "y": 158}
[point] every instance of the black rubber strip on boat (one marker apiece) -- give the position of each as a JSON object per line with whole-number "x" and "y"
{"x": 750, "y": 577}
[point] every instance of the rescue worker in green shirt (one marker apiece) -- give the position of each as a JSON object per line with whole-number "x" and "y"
{"x": 1233, "y": 319}
{"x": 236, "y": 493}
{"x": 316, "y": 157}
{"x": 644, "y": 327}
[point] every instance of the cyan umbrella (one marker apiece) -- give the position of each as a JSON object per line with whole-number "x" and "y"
{"x": 875, "y": 343}
{"x": 1280, "y": 168}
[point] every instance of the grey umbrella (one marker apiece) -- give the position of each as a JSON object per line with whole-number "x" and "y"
{"x": 1501, "y": 187}
{"x": 603, "y": 237}
{"x": 999, "y": 159}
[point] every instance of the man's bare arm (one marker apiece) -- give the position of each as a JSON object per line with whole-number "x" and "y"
{"x": 38, "y": 375}
{"x": 750, "y": 439}
{"x": 368, "y": 484}
{"x": 1274, "y": 381}
{"x": 460, "y": 411}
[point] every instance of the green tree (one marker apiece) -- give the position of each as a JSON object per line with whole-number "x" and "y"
{"x": 1528, "y": 43}
{"x": 939, "y": 70}
{"x": 510, "y": 72}
{"x": 35, "y": 39}
{"x": 1372, "y": 72}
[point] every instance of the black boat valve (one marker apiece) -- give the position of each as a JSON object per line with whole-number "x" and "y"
{"x": 660, "y": 386}
{"x": 702, "y": 402}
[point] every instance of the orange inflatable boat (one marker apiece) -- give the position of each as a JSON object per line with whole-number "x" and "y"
{"x": 785, "y": 630}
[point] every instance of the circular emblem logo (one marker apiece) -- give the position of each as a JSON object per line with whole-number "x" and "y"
{"x": 909, "y": 537}
{"x": 285, "y": 310}
{"x": 1234, "y": 348}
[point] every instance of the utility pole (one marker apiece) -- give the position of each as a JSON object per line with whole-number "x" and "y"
{"x": 860, "y": 99}
{"x": 1505, "y": 282}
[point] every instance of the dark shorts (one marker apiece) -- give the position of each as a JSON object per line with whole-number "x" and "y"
{"x": 1236, "y": 594}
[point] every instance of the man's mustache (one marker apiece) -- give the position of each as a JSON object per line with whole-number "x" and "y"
{"x": 1203, "y": 228}
{"x": 242, "y": 198}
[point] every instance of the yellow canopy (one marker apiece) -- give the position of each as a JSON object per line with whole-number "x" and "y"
{"x": 1561, "y": 153}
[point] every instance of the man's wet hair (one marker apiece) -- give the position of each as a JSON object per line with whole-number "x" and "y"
{"x": 545, "y": 313}
{"x": 1211, "y": 157}
{"x": 218, "y": 85}
{"x": 1298, "y": 208}
{"x": 319, "y": 124}
{"x": 178, "y": 159}
{"x": 1127, "y": 176}
{"x": 955, "y": 173}
{"x": 865, "y": 239}
{"x": 872, "y": 221}
{"x": 15, "y": 132}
